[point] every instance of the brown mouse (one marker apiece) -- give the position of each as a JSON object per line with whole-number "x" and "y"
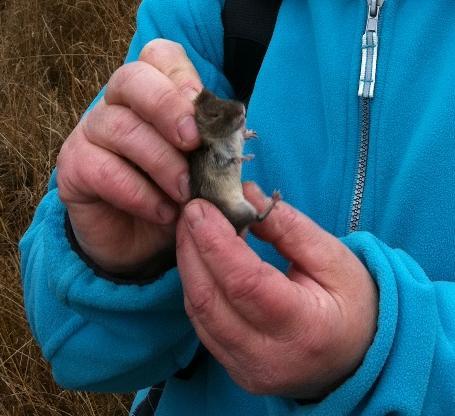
{"x": 216, "y": 166}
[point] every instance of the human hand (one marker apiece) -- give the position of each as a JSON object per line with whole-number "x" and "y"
{"x": 298, "y": 336}
{"x": 122, "y": 173}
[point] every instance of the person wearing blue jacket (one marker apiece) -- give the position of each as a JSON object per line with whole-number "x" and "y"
{"x": 343, "y": 300}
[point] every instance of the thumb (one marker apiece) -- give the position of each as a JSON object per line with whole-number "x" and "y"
{"x": 312, "y": 250}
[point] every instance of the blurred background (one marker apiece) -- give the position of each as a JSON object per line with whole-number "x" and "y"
{"x": 55, "y": 55}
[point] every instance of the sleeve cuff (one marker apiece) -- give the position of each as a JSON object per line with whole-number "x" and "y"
{"x": 74, "y": 283}
{"x": 144, "y": 274}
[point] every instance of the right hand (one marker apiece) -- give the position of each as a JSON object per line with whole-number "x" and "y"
{"x": 121, "y": 215}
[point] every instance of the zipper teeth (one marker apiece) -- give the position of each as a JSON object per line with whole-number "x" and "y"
{"x": 359, "y": 188}
{"x": 366, "y": 93}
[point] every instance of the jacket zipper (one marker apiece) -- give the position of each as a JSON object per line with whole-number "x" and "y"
{"x": 367, "y": 82}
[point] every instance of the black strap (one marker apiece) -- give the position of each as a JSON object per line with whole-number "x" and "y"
{"x": 150, "y": 403}
{"x": 248, "y": 28}
{"x": 148, "y": 406}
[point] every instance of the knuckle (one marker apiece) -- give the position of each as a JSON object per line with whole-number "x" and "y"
{"x": 176, "y": 47}
{"x": 120, "y": 181}
{"x": 119, "y": 123}
{"x": 161, "y": 160}
{"x": 65, "y": 186}
{"x": 123, "y": 75}
{"x": 243, "y": 284}
{"x": 118, "y": 78}
{"x": 201, "y": 302}
{"x": 289, "y": 222}
{"x": 211, "y": 244}
{"x": 164, "y": 98}
{"x": 157, "y": 48}
{"x": 135, "y": 197}
{"x": 109, "y": 124}
{"x": 172, "y": 60}
{"x": 107, "y": 172}
{"x": 122, "y": 126}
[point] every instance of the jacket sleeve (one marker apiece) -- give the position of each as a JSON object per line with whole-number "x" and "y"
{"x": 408, "y": 369}
{"x": 98, "y": 335}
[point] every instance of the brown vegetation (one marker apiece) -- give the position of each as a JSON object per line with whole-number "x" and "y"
{"x": 54, "y": 57}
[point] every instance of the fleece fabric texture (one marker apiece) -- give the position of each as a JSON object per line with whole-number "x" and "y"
{"x": 102, "y": 336}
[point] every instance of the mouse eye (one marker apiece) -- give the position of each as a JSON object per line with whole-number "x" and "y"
{"x": 213, "y": 114}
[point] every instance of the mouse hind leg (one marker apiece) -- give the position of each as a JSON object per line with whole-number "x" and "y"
{"x": 276, "y": 196}
{"x": 240, "y": 215}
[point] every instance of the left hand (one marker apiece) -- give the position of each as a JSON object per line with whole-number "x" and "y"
{"x": 299, "y": 335}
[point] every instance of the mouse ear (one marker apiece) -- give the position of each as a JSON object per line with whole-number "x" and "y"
{"x": 204, "y": 96}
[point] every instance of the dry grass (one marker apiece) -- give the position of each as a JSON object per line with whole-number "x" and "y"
{"x": 54, "y": 57}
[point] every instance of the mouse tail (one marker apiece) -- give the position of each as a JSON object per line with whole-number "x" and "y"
{"x": 276, "y": 196}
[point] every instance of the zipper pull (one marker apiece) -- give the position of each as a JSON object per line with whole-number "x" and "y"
{"x": 370, "y": 50}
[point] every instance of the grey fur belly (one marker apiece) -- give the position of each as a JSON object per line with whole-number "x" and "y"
{"x": 222, "y": 187}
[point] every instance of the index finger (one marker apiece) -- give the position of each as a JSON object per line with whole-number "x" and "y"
{"x": 155, "y": 97}
{"x": 171, "y": 59}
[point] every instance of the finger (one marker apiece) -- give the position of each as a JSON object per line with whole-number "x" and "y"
{"x": 156, "y": 99}
{"x": 171, "y": 59}
{"x": 120, "y": 130}
{"x": 256, "y": 290}
{"x": 108, "y": 177}
{"x": 204, "y": 302}
{"x": 298, "y": 238}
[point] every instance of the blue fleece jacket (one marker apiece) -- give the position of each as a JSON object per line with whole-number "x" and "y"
{"x": 103, "y": 336}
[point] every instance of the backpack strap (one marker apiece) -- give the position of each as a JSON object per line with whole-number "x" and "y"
{"x": 248, "y": 28}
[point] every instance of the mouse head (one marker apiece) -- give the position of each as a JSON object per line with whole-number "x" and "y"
{"x": 217, "y": 118}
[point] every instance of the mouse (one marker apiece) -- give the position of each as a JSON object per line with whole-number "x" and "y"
{"x": 216, "y": 165}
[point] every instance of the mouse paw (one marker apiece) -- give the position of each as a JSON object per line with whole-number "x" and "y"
{"x": 276, "y": 196}
{"x": 248, "y": 157}
{"x": 249, "y": 134}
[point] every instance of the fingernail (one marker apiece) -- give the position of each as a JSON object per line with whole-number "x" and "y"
{"x": 187, "y": 130}
{"x": 194, "y": 214}
{"x": 166, "y": 212}
{"x": 184, "y": 187}
{"x": 190, "y": 93}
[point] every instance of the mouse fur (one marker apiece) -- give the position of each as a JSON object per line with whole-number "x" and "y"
{"x": 216, "y": 166}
